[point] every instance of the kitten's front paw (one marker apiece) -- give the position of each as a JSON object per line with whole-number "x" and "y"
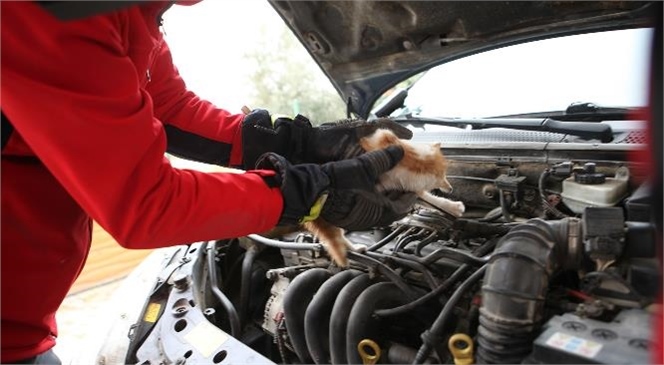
{"x": 457, "y": 209}
{"x": 338, "y": 256}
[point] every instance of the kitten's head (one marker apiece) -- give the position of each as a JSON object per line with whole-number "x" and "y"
{"x": 431, "y": 161}
{"x": 425, "y": 160}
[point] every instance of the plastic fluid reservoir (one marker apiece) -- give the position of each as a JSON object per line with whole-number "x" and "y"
{"x": 592, "y": 189}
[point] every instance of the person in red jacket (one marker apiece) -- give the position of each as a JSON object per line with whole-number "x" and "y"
{"x": 90, "y": 106}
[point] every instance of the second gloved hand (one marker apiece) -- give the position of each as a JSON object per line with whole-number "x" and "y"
{"x": 341, "y": 192}
{"x": 299, "y": 142}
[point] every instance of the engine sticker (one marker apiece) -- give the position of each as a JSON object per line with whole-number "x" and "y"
{"x": 152, "y": 313}
{"x": 206, "y": 338}
{"x": 574, "y": 345}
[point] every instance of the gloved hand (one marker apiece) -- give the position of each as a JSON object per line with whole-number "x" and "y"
{"x": 299, "y": 142}
{"x": 345, "y": 189}
{"x": 360, "y": 210}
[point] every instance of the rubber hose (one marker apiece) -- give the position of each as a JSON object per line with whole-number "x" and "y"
{"x": 423, "y": 243}
{"x": 339, "y": 317}
{"x": 387, "y": 239}
{"x": 285, "y": 245}
{"x": 296, "y": 299}
{"x": 401, "y": 354}
{"x": 504, "y": 207}
{"x": 233, "y": 317}
{"x": 245, "y": 287}
{"x": 317, "y": 316}
{"x": 447, "y": 253}
{"x": 363, "y": 324}
{"x": 385, "y": 271}
{"x": 410, "y": 264}
{"x": 406, "y": 240}
{"x": 513, "y": 303}
{"x": 451, "y": 280}
{"x": 548, "y": 206}
{"x": 432, "y": 337}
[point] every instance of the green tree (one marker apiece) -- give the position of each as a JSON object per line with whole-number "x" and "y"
{"x": 286, "y": 80}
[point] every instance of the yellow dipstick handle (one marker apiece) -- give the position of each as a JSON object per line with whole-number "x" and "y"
{"x": 369, "y": 351}
{"x": 461, "y": 347}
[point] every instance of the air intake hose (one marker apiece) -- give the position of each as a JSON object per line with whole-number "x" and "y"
{"x": 515, "y": 286}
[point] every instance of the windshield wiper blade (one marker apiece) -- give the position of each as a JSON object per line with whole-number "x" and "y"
{"x": 588, "y": 112}
{"x": 603, "y": 132}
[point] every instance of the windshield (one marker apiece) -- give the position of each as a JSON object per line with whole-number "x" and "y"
{"x": 607, "y": 69}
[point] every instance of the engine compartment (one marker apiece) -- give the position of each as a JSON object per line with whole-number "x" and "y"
{"x": 554, "y": 261}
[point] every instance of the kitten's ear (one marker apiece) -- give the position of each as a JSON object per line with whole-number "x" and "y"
{"x": 381, "y": 138}
{"x": 436, "y": 145}
{"x": 387, "y": 138}
{"x": 370, "y": 143}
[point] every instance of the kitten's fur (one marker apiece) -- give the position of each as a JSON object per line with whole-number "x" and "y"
{"x": 422, "y": 169}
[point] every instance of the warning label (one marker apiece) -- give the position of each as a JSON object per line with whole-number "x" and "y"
{"x": 574, "y": 345}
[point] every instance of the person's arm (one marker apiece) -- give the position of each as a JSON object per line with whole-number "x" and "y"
{"x": 73, "y": 94}
{"x": 196, "y": 129}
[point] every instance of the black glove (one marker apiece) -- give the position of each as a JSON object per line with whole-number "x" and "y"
{"x": 299, "y": 142}
{"x": 348, "y": 185}
{"x": 361, "y": 210}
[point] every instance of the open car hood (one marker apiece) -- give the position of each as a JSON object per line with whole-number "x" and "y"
{"x": 366, "y": 47}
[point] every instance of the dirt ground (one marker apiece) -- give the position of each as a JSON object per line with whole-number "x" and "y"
{"x": 77, "y": 319}
{"x": 87, "y": 302}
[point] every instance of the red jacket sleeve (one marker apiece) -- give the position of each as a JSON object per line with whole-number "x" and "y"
{"x": 175, "y": 105}
{"x": 73, "y": 94}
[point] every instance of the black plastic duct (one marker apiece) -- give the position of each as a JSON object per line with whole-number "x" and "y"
{"x": 317, "y": 316}
{"x": 516, "y": 283}
{"x": 296, "y": 299}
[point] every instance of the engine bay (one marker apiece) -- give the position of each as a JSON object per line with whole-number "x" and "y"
{"x": 554, "y": 261}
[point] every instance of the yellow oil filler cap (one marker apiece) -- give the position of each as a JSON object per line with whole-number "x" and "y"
{"x": 369, "y": 351}
{"x": 461, "y": 347}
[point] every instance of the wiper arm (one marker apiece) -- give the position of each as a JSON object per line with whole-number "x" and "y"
{"x": 395, "y": 102}
{"x": 603, "y": 132}
{"x": 588, "y": 112}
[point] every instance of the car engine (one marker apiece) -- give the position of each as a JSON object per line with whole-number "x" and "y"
{"x": 554, "y": 261}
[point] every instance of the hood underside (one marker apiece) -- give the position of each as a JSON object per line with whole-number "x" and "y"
{"x": 366, "y": 47}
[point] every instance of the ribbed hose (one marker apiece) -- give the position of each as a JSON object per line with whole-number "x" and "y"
{"x": 515, "y": 287}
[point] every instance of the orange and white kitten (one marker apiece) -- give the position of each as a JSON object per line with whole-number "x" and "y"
{"x": 422, "y": 169}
